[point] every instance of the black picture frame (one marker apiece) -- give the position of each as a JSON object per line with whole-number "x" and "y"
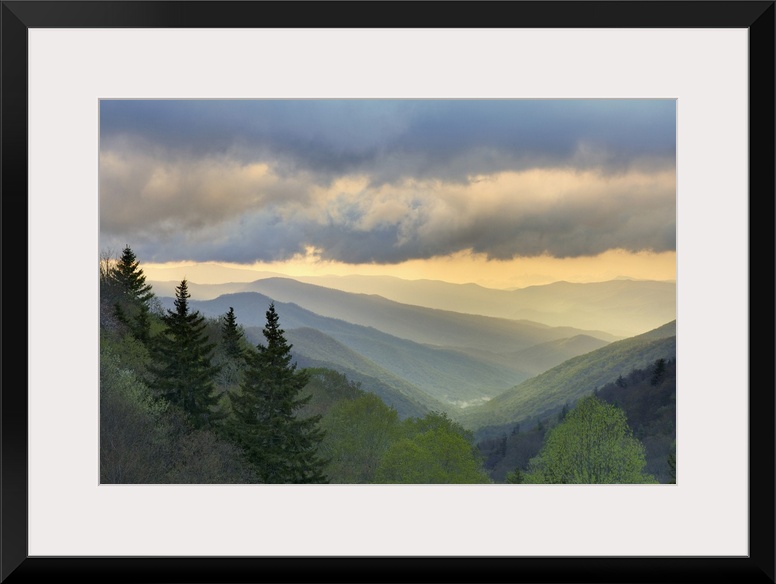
{"x": 19, "y": 16}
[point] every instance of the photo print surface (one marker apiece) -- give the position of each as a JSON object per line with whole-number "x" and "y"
{"x": 387, "y": 291}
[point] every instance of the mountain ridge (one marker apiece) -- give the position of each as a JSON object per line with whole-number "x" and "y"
{"x": 573, "y": 379}
{"x": 620, "y": 307}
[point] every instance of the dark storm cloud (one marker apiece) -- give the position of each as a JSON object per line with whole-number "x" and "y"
{"x": 390, "y": 140}
{"x": 513, "y": 216}
{"x": 385, "y": 181}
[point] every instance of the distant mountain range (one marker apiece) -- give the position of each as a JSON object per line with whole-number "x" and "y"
{"x": 483, "y": 370}
{"x": 444, "y": 374}
{"x": 573, "y": 379}
{"x": 312, "y": 348}
{"x": 621, "y": 307}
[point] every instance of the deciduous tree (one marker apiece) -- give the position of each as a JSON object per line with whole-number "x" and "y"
{"x": 358, "y": 433}
{"x": 437, "y": 450}
{"x": 592, "y": 445}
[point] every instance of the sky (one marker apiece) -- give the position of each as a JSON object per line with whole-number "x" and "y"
{"x": 505, "y": 193}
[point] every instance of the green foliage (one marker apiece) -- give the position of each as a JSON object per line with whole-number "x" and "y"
{"x": 651, "y": 412}
{"x": 592, "y": 445}
{"x": 282, "y": 447}
{"x": 232, "y": 336}
{"x": 133, "y": 296}
{"x": 437, "y": 456}
{"x": 358, "y": 433}
{"x": 132, "y": 440}
{"x": 202, "y": 458}
{"x": 229, "y": 354}
{"x": 672, "y": 464}
{"x": 649, "y": 409}
{"x": 127, "y": 353}
{"x": 316, "y": 349}
{"x": 326, "y": 389}
{"x": 658, "y": 371}
{"x": 145, "y": 439}
{"x": 433, "y": 421}
{"x": 516, "y": 477}
{"x": 511, "y": 451}
{"x": 183, "y": 371}
{"x": 573, "y": 379}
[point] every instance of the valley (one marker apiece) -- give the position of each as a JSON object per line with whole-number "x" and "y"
{"x": 487, "y": 372}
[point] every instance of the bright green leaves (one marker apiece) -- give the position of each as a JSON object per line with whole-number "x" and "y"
{"x": 436, "y": 451}
{"x": 592, "y": 445}
{"x": 358, "y": 433}
{"x": 438, "y": 456}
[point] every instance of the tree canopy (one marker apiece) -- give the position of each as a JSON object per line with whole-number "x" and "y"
{"x": 592, "y": 445}
{"x": 182, "y": 366}
{"x": 232, "y": 336}
{"x": 358, "y": 433}
{"x": 133, "y": 296}
{"x": 436, "y": 450}
{"x": 282, "y": 446}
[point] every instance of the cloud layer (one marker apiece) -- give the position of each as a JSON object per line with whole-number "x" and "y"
{"x": 385, "y": 181}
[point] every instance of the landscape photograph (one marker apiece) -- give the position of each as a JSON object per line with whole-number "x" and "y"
{"x": 398, "y": 291}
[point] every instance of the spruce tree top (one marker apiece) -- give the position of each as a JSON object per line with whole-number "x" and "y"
{"x": 282, "y": 447}
{"x": 182, "y": 298}
{"x": 231, "y": 335}
{"x": 277, "y": 350}
{"x": 131, "y": 277}
{"x": 183, "y": 370}
{"x": 272, "y": 331}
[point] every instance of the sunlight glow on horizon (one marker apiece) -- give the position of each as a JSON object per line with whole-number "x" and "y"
{"x": 460, "y": 268}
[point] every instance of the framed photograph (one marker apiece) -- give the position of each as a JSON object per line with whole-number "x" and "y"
{"x": 84, "y": 80}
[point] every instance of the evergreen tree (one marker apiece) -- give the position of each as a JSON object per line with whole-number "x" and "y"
{"x": 672, "y": 464}
{"x": 232, "y": 336}
{"x": 133, "y": 305}
{"x": 658, "y": 372}
{"x": 282, "y": 447}
{"x": 183, "y": 369}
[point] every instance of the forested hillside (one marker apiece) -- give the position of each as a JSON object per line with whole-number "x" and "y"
{"x": 442, "y": 373}
{"x": 572, "y": 379}
{"x": 646, "y": 396}
{"x": 187, "y": 399}
{"x": 244, "y": 389}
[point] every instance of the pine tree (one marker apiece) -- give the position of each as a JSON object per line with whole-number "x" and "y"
{"x": 183, "y": 369}
{"x": 672, "y": 464}
{"x": 232, "y": 336}
{"x": 282, "y": 447}
{"x": 133, "y": 306}
{"x": 658, "y": 372}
